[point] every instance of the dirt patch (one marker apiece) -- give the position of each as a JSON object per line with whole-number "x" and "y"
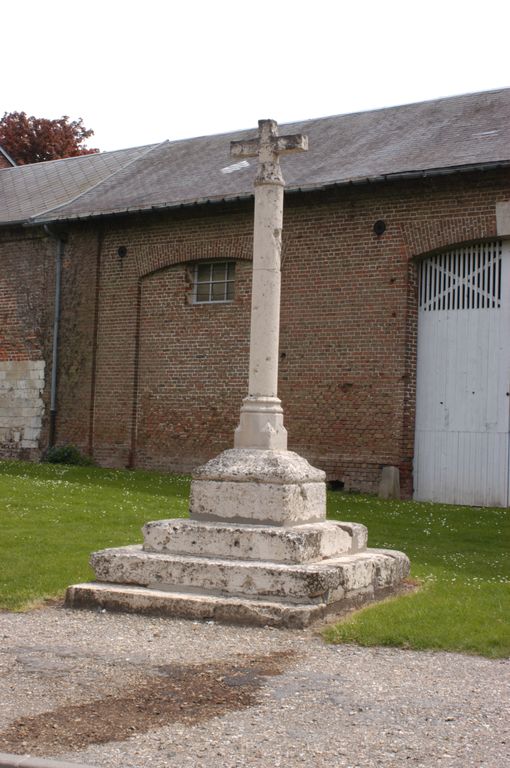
{"x": 172, "y": 693}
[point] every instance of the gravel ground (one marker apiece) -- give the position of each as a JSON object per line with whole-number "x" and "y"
{"x": 241, "y": 697}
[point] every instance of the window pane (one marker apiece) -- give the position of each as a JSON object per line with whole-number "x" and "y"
{"x": 218, "y": 291}
{"x": 218, "y": 271}
{"x": 203, "y": 292}
{"x": 203, "y": 273}
{"x": 214, "y": 281}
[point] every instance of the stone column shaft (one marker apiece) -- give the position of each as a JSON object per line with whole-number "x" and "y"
{"x": 265, "y": 309}
{"x": 261, "y": 421}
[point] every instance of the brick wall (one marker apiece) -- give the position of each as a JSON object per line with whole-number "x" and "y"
{"x": 148, "y": 379}
{"x": 26, "y": 306}
{"x": 157, "y": 353}
{"x": 77, "y": 326}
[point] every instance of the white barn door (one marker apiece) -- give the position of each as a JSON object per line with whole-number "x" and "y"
{"x": 463, "y": 377}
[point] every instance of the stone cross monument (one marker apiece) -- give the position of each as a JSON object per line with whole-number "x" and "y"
{"x": 261, "y": 424}
{"x": 257, "y": 547}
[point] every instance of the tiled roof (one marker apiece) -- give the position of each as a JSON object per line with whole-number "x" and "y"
{"x": 29, "y": 190}
{"x": 430, "y": 137}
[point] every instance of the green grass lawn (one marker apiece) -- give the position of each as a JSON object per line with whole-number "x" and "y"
{"x": 460, "y": 555}
{"x": 53, "y": 516}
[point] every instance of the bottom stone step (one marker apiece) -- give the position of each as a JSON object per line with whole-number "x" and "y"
{"x": 221, "y": 608}
{"x": 230, "y": 610}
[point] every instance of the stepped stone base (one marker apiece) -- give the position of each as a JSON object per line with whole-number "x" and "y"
{"x": 346, "y": 584}
{"x": 257, "y": 550}
{"x": 240, "y": 590}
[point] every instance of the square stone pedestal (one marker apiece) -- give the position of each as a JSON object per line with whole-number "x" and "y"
{"x": 257, "y": 550}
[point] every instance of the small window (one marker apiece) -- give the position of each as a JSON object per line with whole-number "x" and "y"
{"x": 214, "y": 282}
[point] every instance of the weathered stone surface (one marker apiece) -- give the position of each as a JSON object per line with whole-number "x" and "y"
{"x": 249, "y": 465}
{"x": 258, "y": 486}
{"x": 261, "y": 420}
{"x": 389, "y": 487}
{"x": 231, "y": 610}
{"x": 21, "y": 404}
{"x": 358, "y": 534}
{"x": 261, "y": 425}
{"x": 326, "y": 581}
{"x": 350, "y": 580}
{"x": 298, "y": 544}
{"x": 256, "y": 502}
{"x": 130, "y": 565}
{"x": 391, "y": 569}
{"x": 503, "y": 218}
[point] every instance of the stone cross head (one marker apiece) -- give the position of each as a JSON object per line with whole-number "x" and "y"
{"x": 268, "y": 147}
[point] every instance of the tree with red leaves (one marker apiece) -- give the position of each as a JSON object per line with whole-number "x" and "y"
{"x": 34, "y": 139}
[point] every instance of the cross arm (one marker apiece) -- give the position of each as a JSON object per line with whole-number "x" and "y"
{"x": 244, "y": 148}
{"x": 268, "y": 147}
{"x": 296, "y": 142}
{"x": 280, "y": 145}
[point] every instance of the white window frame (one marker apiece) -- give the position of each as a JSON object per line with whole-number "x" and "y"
{"x": 210, "y": 281}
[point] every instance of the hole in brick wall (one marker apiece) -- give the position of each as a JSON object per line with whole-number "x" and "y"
{"x": 335, "y": 485}
{"x": 379, "y": 227}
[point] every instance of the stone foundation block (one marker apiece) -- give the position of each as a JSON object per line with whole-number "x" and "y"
{"x": 247, "y": 485}
{"x": 264, "y": 503}
{"x": 358, "y": 579}
{"x": 326, "y": 581}
{"x": 230, "y": 610}
{"x": 131, "y": 565}
{"x": 21, "y": 405}
{"x": 389, "y": 486}
{"x": 298, "y": 544}
{"x": 256, "y": 465}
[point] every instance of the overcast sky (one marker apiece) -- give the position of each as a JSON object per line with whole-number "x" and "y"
{"x": 141, "y": 72}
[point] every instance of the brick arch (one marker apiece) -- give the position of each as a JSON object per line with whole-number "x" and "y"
{"x": 163, "y": 255}
{"x": 417, "y": 258}
{"x": 443, "y": 232}
{"x": 157, "y": 260}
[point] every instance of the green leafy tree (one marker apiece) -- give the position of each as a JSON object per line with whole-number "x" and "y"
{"x": 35, "y": 139}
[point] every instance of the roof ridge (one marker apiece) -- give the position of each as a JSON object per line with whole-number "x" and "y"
{"x": 152, "y": 147}
{"x": 88, "y": 155}
{"x": 287, "y": 123}
{"x": 394, "y": 106}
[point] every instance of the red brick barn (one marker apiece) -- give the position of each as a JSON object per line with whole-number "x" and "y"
{"x": 145, "y": 362}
